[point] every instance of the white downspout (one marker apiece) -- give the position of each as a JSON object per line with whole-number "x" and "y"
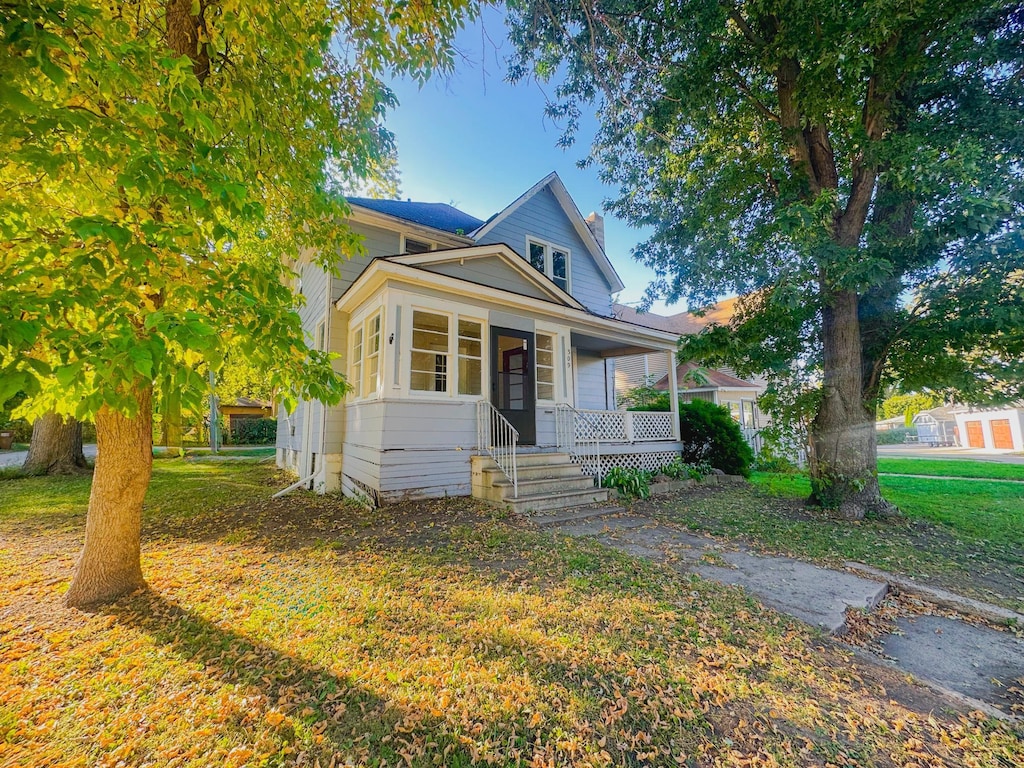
{"x": 321, "y": 471}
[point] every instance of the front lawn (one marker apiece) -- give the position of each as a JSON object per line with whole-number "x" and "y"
{"x": 951, "y": 468}
{"x": 306, "y": 631}
{"x": 965, "y": 535}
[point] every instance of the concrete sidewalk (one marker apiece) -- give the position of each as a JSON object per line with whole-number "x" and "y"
{"x": 981, "y": 665}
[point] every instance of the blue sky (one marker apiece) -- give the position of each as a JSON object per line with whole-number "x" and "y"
{"x": 476, "y": 142}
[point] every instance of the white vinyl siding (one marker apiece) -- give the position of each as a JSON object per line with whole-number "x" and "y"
{"x": 542, "y": 219}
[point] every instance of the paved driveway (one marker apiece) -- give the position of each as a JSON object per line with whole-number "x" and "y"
{"x": 911, "y": 451}
{"x": 17, "y": 458}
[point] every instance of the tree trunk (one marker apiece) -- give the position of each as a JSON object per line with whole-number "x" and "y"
{"x": 56, "y": 447}
{"x": 844, "y": 465}
{"x": 109, "y": 565}
{"x": 171, "y": 432}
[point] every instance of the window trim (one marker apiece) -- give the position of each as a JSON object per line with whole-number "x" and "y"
{"x": 553, "y": 367}
{"x": 452, "y": 391}
{"x": 404, "y": 238}
{"x": 360, "y": 384}
{"x": 447, "y": 391}
{"x": 549, "y": 249}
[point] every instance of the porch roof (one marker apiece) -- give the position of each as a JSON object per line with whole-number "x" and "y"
{"x": 607, "y": 336}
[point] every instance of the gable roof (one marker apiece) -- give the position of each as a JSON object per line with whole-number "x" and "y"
{"x": 499, "y": 251}
{"x": 435, "y": 215}
{"x": 683, "y": 323}
{"x": 715, "y": 379}
{"x": 561, "y": 194}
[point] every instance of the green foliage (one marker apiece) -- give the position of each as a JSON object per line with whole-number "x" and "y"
{"x": 859, "y": 167}
{"x": 908, "y": 405}
{"x": 709, "y": 434}
{"x": 677, "y": 469}
{"x": 155, "y": 192}
{"x": 894, "y": 436}
{"x": 644, "y": 397}
{"x": 629, "y": 483}
{"x": 254, "y": 432}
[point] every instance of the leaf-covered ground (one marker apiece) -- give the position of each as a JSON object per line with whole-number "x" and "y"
{"x": 965, "y": 535}
{"x": 306, "y": 631}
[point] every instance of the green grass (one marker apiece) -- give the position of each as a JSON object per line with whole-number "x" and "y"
{"x": 16, "y": 447}
{"x": 951, "y": 468}
{"x": 179, "y": 489}
{"x": 965, "y": 535}
{"x": 418, "y": 635}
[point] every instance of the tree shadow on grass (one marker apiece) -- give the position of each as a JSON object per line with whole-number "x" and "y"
{"x": 326, "y": 717}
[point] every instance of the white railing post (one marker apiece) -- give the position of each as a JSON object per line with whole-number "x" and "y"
{"x": 499, "y": 439}
{"x": 629, "y": 426}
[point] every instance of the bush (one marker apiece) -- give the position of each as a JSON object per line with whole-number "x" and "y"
{"x": 630, "y": 483}
{"x": 254, "y": 432}
{"x": 894, "y": 436}
{"x": 710, "y": 434}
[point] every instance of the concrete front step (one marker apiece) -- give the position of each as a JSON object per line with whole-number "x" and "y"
{"x": 546, "y": 485}
{"x": 546, "y": 502}
{"x": 539, "y": 472}
{"x": 542, "y": 459}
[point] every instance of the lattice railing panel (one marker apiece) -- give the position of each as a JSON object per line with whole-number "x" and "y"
{"x": 606, "y": 426}
{"x": 651, "y": 462}
{"x": 652, "y": 425}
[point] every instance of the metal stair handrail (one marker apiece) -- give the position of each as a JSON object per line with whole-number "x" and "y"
{"x": 568, "y": 421}
{"x": 499, "y": 439}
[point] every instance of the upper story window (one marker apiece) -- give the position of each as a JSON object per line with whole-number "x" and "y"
{"x": 552, "y": 260}
{"x": 411, "y": 245}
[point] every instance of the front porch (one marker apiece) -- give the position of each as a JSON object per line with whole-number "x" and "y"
{"x": 443, "y": 370}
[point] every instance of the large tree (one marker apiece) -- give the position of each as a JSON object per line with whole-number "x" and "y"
{"x": 851, "y": 167}
{"x": 160, "y": 163}
{"x": 56, "y": 447}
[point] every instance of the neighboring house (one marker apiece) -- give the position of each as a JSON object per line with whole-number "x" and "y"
{"x": 457, "y": 333}
{"x": 244, "y": 409}
{"x": 993, "y": 428}
{"x": 936, "y": 427}
{"x": 719, "y": 386}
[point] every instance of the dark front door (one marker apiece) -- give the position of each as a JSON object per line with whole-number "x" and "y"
{"x": 512, "y": 390}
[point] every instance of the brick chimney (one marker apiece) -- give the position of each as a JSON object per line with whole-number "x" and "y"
{"x": 596, "y": 223}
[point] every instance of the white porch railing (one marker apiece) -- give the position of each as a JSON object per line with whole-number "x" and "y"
{"x": 579, "y": 434}
{"x": 496, "y": 436}
{"x": 620, "y": 426}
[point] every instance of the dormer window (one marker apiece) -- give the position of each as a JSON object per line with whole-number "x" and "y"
{"x": 552, "y": 260}
{"x": 409, "y": 245}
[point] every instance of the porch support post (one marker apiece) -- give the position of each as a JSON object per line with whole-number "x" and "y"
{"x": 673, "y": 389}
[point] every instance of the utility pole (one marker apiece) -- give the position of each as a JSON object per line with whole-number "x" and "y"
{"x": 213, "y": 413}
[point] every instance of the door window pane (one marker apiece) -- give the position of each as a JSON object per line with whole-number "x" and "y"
{"x": 513, "y": 373}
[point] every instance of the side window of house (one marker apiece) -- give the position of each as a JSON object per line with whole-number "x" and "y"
{"x": 545, "y": 367}
{"x": 356, "y": 374}
{"x": 372, "y": 364}
{"x": 552, "y": 261}
{"x": 429, "y": 366}
{"x": 415, "y": 246}
{"x": 470, "y": 357}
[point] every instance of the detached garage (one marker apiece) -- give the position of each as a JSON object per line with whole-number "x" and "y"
{"x": 1001, "y": 429}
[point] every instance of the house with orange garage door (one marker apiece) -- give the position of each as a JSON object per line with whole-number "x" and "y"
{"x": 993, "y": 428}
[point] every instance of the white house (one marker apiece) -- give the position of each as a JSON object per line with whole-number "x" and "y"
{"x": 719, "y": 386}
{"x": 481, "y": 356}
{"x": 993, "y": 428}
